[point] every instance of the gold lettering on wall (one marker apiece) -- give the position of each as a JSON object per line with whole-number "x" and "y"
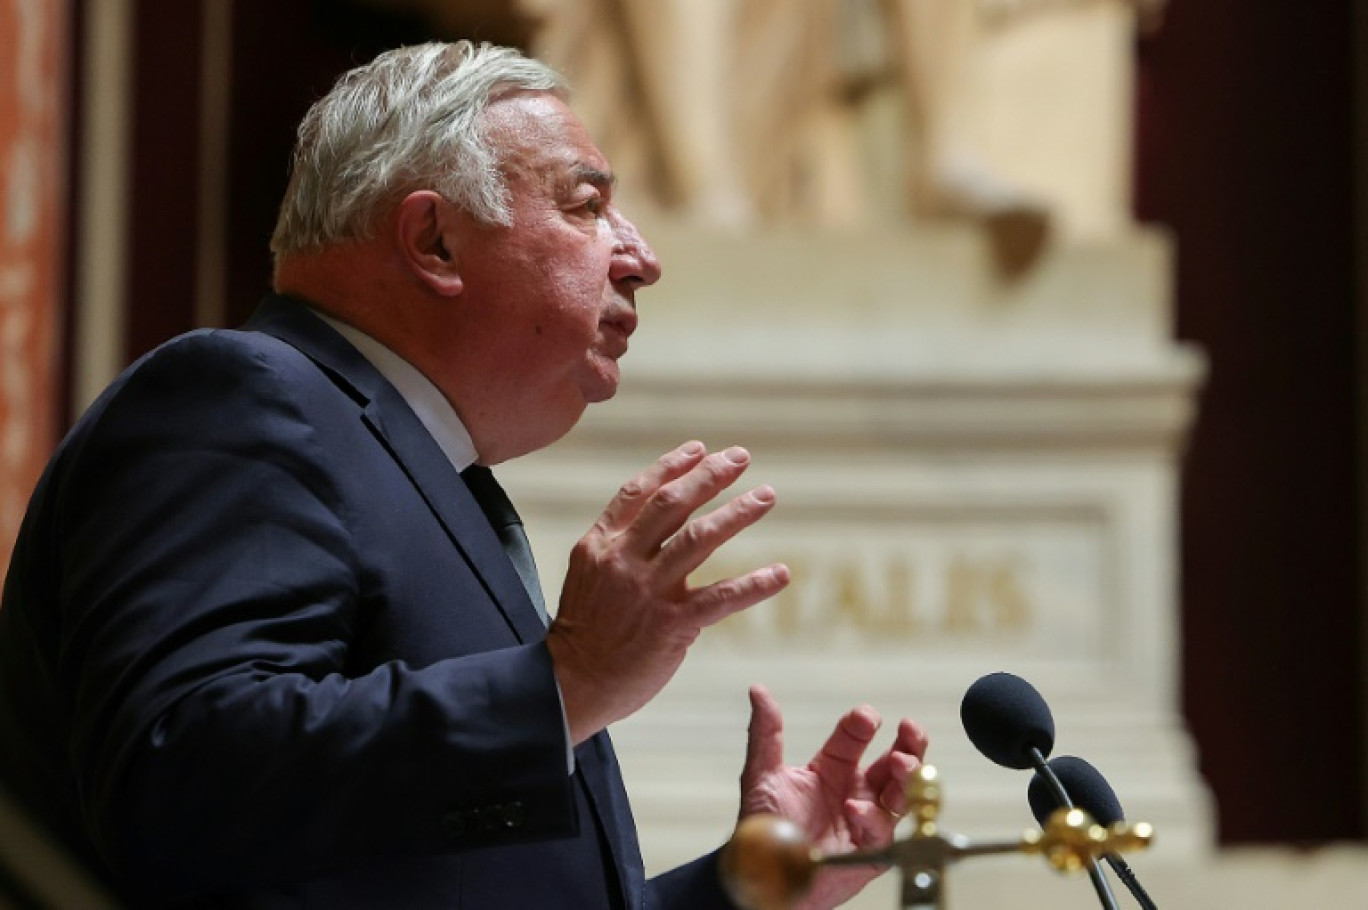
{"x": 892, "y": 596}
{"x": 983, "y": 596}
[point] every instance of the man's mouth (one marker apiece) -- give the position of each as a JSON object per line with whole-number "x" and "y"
{"x": 616, "y": 329}
{"x": 614, "y": 342}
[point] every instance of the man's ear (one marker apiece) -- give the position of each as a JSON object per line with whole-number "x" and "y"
{"x": 422, "y": 222}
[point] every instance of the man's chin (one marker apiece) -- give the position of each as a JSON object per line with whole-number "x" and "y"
{"x": 604, "y": 383}
{"x": 602, "y": 394}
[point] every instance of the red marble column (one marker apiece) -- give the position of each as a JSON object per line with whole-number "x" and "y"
{"x": 33, "y": 45}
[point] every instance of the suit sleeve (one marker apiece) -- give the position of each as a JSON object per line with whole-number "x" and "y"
{"x": 209, "y": 596}
{"x": 693, "y": 886}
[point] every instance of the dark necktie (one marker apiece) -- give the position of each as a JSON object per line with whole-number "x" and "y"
{"x": 494, "y": 502}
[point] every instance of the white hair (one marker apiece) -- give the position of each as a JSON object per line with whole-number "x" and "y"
{"x": 410, "y": 119}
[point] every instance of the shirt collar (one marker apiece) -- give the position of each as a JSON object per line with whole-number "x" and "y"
{"x": 427, "y": 402}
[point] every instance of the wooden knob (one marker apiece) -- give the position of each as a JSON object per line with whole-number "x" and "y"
{"x": 768, "y": 864}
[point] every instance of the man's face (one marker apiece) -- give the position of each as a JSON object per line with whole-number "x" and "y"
{"x": 554, "y": 291}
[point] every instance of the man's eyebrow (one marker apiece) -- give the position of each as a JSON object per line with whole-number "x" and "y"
{"x": 583, "y": 173}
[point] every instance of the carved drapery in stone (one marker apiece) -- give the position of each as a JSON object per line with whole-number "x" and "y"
{"x": 858, "y": 111}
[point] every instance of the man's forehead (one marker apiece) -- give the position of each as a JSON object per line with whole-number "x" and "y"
{"x": 538, "y": 132}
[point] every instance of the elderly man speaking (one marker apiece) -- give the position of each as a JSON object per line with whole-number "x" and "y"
{"x": 272, "y": 636}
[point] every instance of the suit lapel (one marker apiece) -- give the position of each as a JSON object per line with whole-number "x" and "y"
{"x": 406, "y": 439}
{"x": 403, "y": 435}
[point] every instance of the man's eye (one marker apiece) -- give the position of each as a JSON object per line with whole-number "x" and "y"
{"x": 594, "y": 205}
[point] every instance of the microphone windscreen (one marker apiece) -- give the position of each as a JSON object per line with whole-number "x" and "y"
{"x": 1005, "y": 717}
{"x": 1085, "y": 785}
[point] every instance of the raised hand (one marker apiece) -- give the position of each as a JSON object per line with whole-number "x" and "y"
{"x": 627, "y": 614}
{"x": 840, "y": 805}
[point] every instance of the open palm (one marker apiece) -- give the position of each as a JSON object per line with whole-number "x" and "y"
{"x": 839, "y": 805}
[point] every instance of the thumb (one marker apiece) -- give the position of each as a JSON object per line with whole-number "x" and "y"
{"x": 765, "y": 738}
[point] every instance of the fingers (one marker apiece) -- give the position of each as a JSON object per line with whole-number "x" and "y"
{"x": 721, "y": 599}
{"x": 669, "y": 507}
{"x": 910, "y": 740}
{"x": 890, "y": 793}
{"x": 873, "y": 819}
{"x": 888, "y": 775}
{"x": 871, "y": 825}
{"x": 649, "y": 519}
{"x": 845, "y": 746}
{"x": 764, "y": 738}
{"x": 635, "y": 493}
{"x": 699, "y": 538}
{"x": 652, "y": 510}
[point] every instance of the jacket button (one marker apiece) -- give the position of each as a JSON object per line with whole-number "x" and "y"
{"x": 514, "y": 815}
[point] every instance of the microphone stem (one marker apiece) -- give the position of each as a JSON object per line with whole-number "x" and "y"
{"x": 1099, "y": 878}
{"x": 1047, "y": 774}
{"x": 1127, "y": 875}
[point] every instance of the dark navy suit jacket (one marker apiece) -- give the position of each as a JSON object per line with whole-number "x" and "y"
{"x": 260, "y": 648}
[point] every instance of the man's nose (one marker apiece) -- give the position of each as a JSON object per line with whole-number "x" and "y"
{"x": 633, "y": 258}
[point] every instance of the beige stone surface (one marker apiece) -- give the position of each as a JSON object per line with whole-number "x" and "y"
{"x": 972, "y": 476}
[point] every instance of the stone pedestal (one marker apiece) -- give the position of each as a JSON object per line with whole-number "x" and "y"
{"x": 972, "y": 477}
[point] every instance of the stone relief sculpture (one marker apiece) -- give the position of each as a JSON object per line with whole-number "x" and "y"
{"x": 844, "y": 112}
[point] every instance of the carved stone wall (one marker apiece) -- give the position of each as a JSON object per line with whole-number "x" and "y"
{"x": 32, "y": 135}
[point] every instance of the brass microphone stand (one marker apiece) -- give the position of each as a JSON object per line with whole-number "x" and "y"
{"x": 769, "y": 864}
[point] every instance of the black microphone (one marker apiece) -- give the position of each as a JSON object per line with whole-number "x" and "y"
{"x": 1092, "y": 794}
{"x": 1010, "y": 723}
